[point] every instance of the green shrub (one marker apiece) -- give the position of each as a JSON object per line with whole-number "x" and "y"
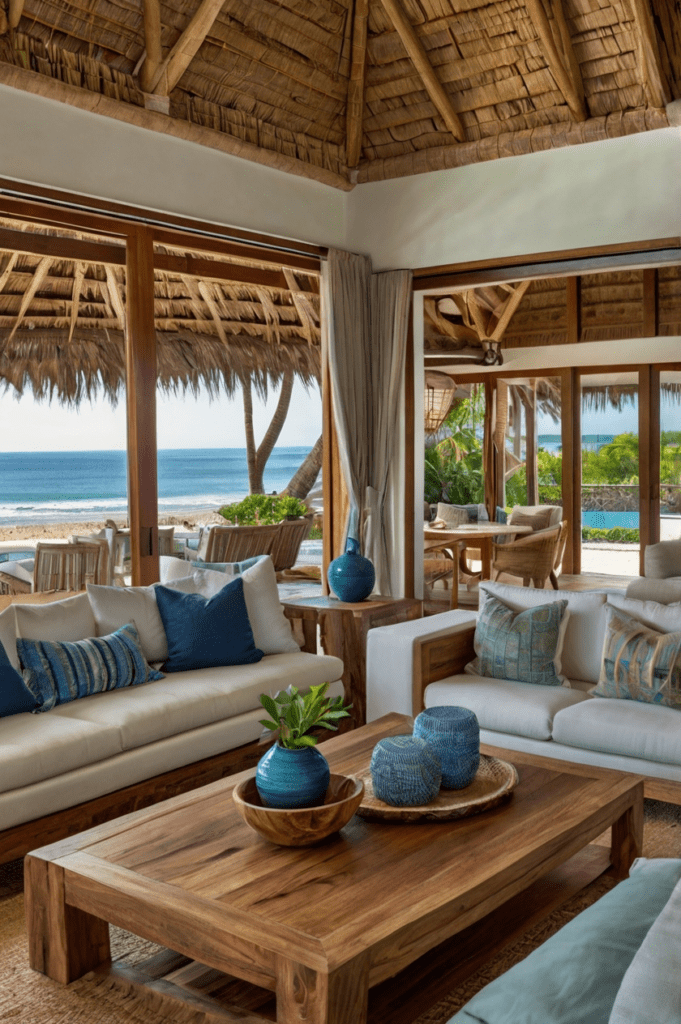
{"x": 263, "y": 509}
{"x": 617, "y": 535}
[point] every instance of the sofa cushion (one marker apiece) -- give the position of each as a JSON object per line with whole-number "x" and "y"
{"x": 69, "y": 619}
{"x": 271, "y": 629}
{"x": 504, "y": 705}
{"x": 650, "y": 989}
{"x": 539, "y": 517}
{"x": 639, "y": 663}
{"x": 523, "y": 645}
{"x": 665, "y": 618}
{"x": 451, "y": 515}
{"x": 188, "y": 700}
{"x": 663, "y": 559}
{"x": 14, "y": 697}
{"x": 8, "y": 635}
{"x": 624, "y": 727}
{"x": 114, "y": 606}
{"x": 207, "y": 631}
{"x": 33, "y": 748}
{"x": 573, "y": 978}
{"x": 583, "y": 643}
{"x": 57, "y": 672}
{"x": 663, "y": 591}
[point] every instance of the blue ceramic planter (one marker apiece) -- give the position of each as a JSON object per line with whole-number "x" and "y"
{"x": 405, "y": 772}
{"x": 351, "y": 576}
{"x": 453, "y": 734}
{"x": 296, "y": 777}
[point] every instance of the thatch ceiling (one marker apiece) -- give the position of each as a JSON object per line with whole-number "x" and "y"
{"x": 355, "y": 90}
{"x": 611, "y": 306}
{"x": 62, "y": 327}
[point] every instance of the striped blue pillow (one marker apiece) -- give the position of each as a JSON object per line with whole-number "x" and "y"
{"x": 56, "y": 672}
{"x": 523, "y": 646}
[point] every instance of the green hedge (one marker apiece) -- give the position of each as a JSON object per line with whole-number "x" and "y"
{"x": 617, "y": 535}
{"x": 263, "y": 509}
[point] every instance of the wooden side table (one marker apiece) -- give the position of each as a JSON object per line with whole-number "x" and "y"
{"x": 343, "y": 628}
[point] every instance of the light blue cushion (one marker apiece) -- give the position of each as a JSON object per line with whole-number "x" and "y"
{"x": 14, "y": 696}
{"x": 204, "y": 632}
{"x": 573, "y": 978}
{"x": 523, "y": 646}
{"x": 57, "y": 672}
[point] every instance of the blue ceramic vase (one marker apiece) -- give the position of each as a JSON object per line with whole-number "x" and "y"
{"x": 292, "y": 777}
{"x": 351, "y": 576}
{"x": 453, "y": 734}
{"x": 405, "y": 772}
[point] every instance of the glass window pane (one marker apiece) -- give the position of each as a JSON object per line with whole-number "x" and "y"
{"x": 670, "y": 454}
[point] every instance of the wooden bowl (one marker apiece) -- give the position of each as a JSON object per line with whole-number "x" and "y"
{"x": 300, "y": 826}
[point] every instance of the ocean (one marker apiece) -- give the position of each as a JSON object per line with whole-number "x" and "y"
{"x": 64, "y": 487}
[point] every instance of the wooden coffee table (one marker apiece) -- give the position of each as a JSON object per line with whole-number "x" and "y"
{"x": 317, "y": 926}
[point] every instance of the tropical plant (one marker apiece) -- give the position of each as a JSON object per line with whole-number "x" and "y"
{"x": 294, "y": 714}
{"x": 453, "y": 466}
{"x": 263, "y": 509}
{"x": 615, "y": 535}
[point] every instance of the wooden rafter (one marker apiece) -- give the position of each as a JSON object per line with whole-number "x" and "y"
{"x": 419, "y": 57}
{"x": 7, "y": 269}
{"x": 355, "y": 101}
{"x": 654, "y": 79}
{"x": 186, "y": 47}
{"x": 504, "y": 316}
{"x": 568, "y": 49}
{"x": 572, "y": 90}
{"x": 38, "y": 277}
{"x": 78, "y": 277}
{"x": 152, "y": 41}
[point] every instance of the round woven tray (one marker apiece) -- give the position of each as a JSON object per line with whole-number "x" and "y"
{"x": 494, "y": 782}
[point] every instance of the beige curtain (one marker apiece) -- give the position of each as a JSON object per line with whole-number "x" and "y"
{"x": 366, "y": 323}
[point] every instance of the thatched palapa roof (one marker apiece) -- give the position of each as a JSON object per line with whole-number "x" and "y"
{"x": 62, "y": 326}
{"x": 355, "y": 90}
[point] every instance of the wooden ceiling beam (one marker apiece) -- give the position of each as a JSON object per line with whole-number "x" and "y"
{"x": 61, "y": 248}
{"x": 214, "y": 271}
{"x": 152, "y": 41}
{"x": 419, "y": 57}
{"x": 509, "y": 309}
{"x": 355, "y": 100}
{"x": 573, "y": 91}
{"x": 654, "y": 78}
{"x": 186, "y": 47}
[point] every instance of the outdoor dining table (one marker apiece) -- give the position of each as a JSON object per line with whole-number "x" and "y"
{"x": 475, "y": 535}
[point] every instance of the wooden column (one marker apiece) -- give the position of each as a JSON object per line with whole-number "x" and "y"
{"x": 488, "y": 459}
{"x": 570, "y": 427}
{"x": 409, "y": 458}
{"x": 334, "y": 491}
{"x": 140, "y": 367}
{"x": 648, "y": 457}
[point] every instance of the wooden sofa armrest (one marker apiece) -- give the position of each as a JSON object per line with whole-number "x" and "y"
{"x": 436, "y": 657}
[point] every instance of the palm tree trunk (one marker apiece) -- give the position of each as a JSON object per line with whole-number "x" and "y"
{"x": 302, "y": 481}
{"x": 273, "y": 431}
{"x": 251, "y": 453}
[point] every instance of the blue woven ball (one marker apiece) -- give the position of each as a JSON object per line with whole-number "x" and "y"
{"x": 453, "y": 734}
{"x": 405, "y": 772}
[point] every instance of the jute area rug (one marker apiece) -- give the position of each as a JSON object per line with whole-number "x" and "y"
{"x": 30, "y": 998}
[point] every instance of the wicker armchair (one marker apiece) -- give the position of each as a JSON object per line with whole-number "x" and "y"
{"x": 290, "y": 535}
{"x": 233, "y": 543}
{"x": 535, "y": 557}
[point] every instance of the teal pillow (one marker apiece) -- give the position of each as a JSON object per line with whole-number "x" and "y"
{"x": 639, "y": 663}
{"x": 205, "y": 632}
{"x": 524, "y": 646}
{"x": 56, "y": 672}
{"x": 573, "y": 978}
{"x": 14, "y": 697}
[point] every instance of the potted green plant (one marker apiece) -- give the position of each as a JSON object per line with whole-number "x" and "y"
{"x": 293, "y": 773}
{"x": 264, "y": 510}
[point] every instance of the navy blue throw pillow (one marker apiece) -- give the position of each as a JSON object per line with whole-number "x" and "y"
{"x": 205, "y": 632}
{"x": 14, "y": 696}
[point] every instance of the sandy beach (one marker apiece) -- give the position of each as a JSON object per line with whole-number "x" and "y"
{"x": 186, "y": 521}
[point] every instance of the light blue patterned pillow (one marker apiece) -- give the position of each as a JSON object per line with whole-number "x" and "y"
{"x": 639, "y": 663}
{"x": 56, "y": 672}
{"x": 525, "y": 646}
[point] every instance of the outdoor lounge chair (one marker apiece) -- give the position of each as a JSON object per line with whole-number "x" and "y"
{"x": 232, "y": 543}
{"x": 290, "y": 535}
{"x": 535, "y": 557}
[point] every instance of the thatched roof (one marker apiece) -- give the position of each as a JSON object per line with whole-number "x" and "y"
{"x": 355, "y": 91}
{"x": 612, "y": 306}
{"x": 62, "y": 326}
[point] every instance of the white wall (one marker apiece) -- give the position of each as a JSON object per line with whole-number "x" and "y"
{"x": 59, "y": 146}
{"x": 620, "y": 190}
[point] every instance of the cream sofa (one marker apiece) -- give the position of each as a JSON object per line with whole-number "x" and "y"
{"x": 63, "y": 770}
{"x": 412, "y": 665}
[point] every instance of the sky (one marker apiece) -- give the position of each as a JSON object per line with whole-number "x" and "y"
{"x": 182, "y": 422}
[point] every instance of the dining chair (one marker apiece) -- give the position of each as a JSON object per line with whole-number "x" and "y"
{"x": 55, "y": 567}
{"x": 535, "y": 557}
{"x": 106, "y": 557}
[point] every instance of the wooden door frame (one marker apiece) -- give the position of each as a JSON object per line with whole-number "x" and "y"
{"x": 131, "y": 235}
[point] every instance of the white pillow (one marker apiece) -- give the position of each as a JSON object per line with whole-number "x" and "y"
{"x": 585, "y": 630}
{"x": 650, "y": 989}
{"x": 113, "y": 607}
{"x": 8, "y": 635}
{"x": 271, "y": 629}
{"x": 69, "y": 619}
{"x": 665, "y": 618}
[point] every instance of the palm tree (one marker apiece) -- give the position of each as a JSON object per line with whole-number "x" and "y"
{"x": 257, "y": 456}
